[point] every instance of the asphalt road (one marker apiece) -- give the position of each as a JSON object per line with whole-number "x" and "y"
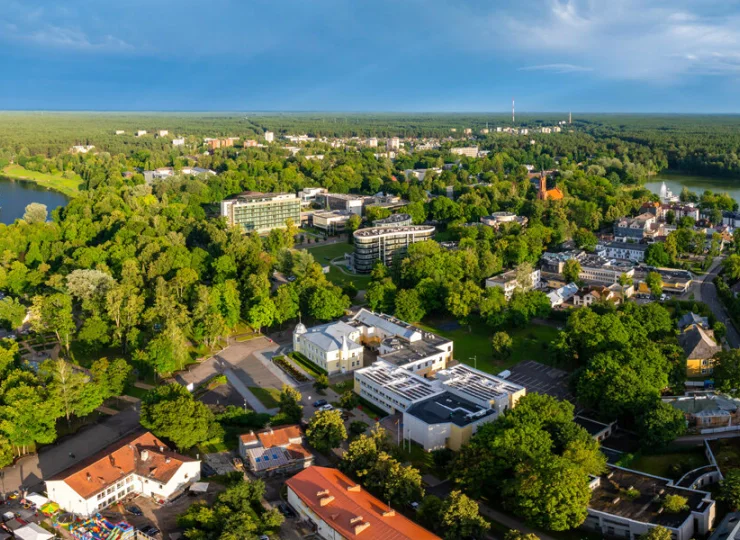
{"x": 707, "y": 293}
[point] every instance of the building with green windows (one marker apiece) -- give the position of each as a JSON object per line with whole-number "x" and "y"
{"x": 261, "y": 212}
{"x": 383, "y": 243}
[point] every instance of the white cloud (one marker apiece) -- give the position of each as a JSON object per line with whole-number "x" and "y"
{"x": 556, "y": 68}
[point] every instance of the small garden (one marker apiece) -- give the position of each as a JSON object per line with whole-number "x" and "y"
{"x": 289, "y": 368}
{"x": 306, "y": 364}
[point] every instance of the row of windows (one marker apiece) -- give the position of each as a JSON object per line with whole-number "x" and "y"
{"x": 386, "y": 398}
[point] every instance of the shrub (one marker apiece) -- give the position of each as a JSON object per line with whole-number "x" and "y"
{"x": 289, "y": 368}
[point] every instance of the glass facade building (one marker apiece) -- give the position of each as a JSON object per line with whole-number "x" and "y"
{"x": 261, "y": 212}
{"x": 382, "y": 243}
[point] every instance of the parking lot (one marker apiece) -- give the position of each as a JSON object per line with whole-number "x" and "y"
{"x": 536, "y": 377}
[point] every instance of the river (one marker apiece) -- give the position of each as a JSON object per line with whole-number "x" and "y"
{"x": 15, "y": 195}
{"x": 699, "y": 184}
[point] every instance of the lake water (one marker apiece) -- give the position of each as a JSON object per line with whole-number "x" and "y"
{"x": 698, "y": 184}
{"x": 15, "y": 195}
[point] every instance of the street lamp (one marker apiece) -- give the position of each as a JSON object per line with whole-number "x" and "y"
{"x": 245, "y": 405}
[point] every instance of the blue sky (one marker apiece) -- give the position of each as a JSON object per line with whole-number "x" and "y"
{"x": 380, "y": 55}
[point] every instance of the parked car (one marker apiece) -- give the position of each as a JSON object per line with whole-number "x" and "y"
{"x": 327, "y": 407}
{"x": 150, "y": 530}
{"x": 320, "y": 403}
{"x": 134, "y": 510}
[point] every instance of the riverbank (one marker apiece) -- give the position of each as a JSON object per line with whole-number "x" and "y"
{"x": 66, "y": 186}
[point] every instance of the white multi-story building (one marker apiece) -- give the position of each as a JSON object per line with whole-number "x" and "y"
{"x": 597, "y": 270}
{"x": 81, "y": 149}
{"x": 261, "y": 212}
{"x": 178, "y": 142}
{"x": 141, "y": 133}
{"x": 392, "y": 388}
{"x": 139, "y": 464}
{"x": 163, "y": 133}
{"x": 403, "y": 344}
{"x": 372, "y": 142}
{"x": 269, "y": 136}
{"x": 120, "y": 132}
{"x": 394, "y": 143}
{"x": 622, "y": 250}
{"x": 509, "y": 283}
{"x": 468, "y": 398}
{"x": 334, "y": 346}
{"x": 308, "y": 195}
{"x": 468, "y": 151}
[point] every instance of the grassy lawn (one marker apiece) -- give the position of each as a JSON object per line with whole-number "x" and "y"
{"x": 417, "y": 456}
{"x": 529, "y": 343}
{"x": 337, "y": 277}
{"x": 672, "y": 463}
{"x": 269, "y": 397}
{"x": 324, "y": 254}
{"x": 67, "y": 186}
{"x": 341, "y": 387}
{"x": 308, "y": 366}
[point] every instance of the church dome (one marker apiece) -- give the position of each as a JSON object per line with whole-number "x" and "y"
{"x": 300, "y": 328}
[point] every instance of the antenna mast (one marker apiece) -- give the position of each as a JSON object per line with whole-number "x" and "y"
{"x": 512, "y": 111}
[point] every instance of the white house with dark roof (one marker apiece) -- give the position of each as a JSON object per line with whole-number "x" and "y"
{"x": 334, "y": 346}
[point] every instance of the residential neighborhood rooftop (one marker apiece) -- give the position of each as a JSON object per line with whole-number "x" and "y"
{"x": 610, "y": 495}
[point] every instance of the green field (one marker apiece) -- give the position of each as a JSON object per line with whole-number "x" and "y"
{"x": 269, "y": 397}
{"x": 530, "y": 343}
{"x": 323, "y": 254}
{"x": 67, "y": 186}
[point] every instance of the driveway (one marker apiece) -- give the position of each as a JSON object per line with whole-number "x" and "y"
{"x": 29, "y": 472}
{"x": 707, "y": 293}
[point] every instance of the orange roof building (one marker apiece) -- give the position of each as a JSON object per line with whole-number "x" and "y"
{"x": 338, "y": 507}
{"x": 139, "y": 463}
{"x": 275, "y": 451}
{"x": 544, "y": 194}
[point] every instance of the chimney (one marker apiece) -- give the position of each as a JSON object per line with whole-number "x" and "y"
{"x": 161, "y": 449}
{"x": 361, "y": 527}
{"x": 354, "y": 488}
{"x": 355, "y": 520}
{"x": 322, "y": 493}
{"x": 89, "y": 477}
{"x": 167, "y": 459}
{"x": 144, "y": 455}
{"x": 326, "y": 500}
{"x": 389, "y": 513}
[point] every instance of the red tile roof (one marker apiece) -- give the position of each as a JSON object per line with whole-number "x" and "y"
{"x": 349, "y": 509}
{"x": 273, "y": 436}
{"x": 102, "y": 470}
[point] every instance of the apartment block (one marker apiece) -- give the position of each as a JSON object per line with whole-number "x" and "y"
{"x": 261, "y": 212}
{"x": 383, "y": 243}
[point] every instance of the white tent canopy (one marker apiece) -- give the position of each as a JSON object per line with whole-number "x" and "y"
{"x": 37, "y": 499}
{"x": 199, "y": 487}
{"x": 33, "y": 532}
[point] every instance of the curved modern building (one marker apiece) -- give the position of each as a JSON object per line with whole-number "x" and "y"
{"x": 382, "y": 243}
{"x": 394, "y": 220}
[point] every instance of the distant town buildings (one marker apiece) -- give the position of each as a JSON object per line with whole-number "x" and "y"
{"x": 636, "y": 228}
{"x": 261, "y": 212}
{"x": 163, "y": 133}
{"x": 138, "y": 464}
{"x": 120, "y": 132}
{"x": 167, "y": 172}
{"x": 269, "y": 136}
{"x": 215, "y": 144}
{"x": 383, "y": 243}
{"x": 469, "y": 151}
{"x": 393, "y": 143}
{"x": 372, "y": 142}
{"x": 496, "y": 219}
{"x": 81, "y": 149}
{"x": 178, "y": 142}
{"x": 141, "y": 133}
{"x": 250, "y": 143}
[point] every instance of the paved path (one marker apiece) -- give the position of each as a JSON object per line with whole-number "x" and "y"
{"x": 707, "y": 293}
{"x": 29, "y": 471}
{"x": 248, "y": 396}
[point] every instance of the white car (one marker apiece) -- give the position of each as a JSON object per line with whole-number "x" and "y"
{"x": 327, "y": 407}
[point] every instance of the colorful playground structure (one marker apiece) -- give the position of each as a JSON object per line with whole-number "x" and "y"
{"x": 99, "y": 528}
